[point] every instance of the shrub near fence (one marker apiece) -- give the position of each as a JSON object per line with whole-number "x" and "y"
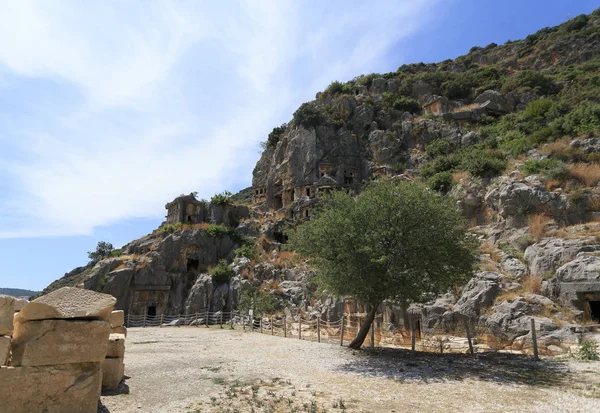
{"x": 463, "y": 337}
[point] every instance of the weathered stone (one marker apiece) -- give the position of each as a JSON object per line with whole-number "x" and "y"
{"x": 4, "y": 349}
{"x": 112, "y": 373}
{"x": 550, "y": 254}
{"x": 20, "y": 303}
{"x": 119, "y": 330}
{"x": 7, "y": 311}
{"x": 70, "y": 388}
{"x": 39, "y": 343}
{"x": 479, "y": 293}
{"x": 117, "y": 318}
{"x": 69, "y": 302}
{"x": 116, "y": 346}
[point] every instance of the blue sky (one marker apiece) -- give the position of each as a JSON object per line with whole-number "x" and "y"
{"x": 111, "y": 109}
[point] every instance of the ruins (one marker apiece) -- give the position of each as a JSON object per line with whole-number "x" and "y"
{"x": 57, "y": 352}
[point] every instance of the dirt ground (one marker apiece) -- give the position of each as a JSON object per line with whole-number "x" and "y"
{"x": 191, "y": 370}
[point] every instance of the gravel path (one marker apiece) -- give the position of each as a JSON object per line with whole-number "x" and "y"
{"x": 191, "y": 369}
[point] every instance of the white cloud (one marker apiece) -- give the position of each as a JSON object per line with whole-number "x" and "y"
{"x": 138, "y": 102}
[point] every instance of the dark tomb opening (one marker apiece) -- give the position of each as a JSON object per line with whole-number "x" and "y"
{"x": 151, "y": 312}
{"x": 277, "y": 202}
{"x": 307, "y": 191}
{"x": 192, "y": 264}
{"x": 189, "y": 219}
{"x": 594, "y": 310}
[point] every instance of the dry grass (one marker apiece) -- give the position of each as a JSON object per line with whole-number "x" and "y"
{"x": 563, "y": 150}
{"x": 285, "y": 259}
{"x": 594, "y": 203}
{"x": 202, "y": 225}
{"x": 588, "y": 174}
{"x": 537, "y": 225}
{"x": 552, "y": 184}
{"x": 507, "y": 296}
{"x": 488, "y": 266}
{"x": 491, "y": 250}
{"x": 466, "y": 107}
{"x": 532, "y": 284}
{"x": 457, "y": 176}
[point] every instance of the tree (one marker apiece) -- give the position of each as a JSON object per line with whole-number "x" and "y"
{"x": 103, "y": 250}
{"x": 258, "y": 300}
{"x": 395, "y": 241}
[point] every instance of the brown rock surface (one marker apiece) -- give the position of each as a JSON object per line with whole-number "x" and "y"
{"x": 119, "y": 330}
{"x": 7, "y": 311}
{"x": 117, "y": 318}
{"x": 69, "y": 302}
{"x": 116, "y": 346}
{"x": 71, "y": 388}
{"x": 112, "y": 373}
{"x": 39, "y": 343}
{"x": 4, "y": 349}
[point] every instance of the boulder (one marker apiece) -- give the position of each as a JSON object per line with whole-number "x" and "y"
{"x": 514, "y": 267}
{"x": 113, "y": 371}
{"x": 7, "y": 312}
{"x": 117, "y": 318}
{"x": 581, "y": 269}
{"x": 479, "y": 293}
{"x": 550, "y": 254}
{"x": 4, "y": 349}
{"x": 69, "y": 302}
{"x": 493, "y": 101}
{"x": 20, "y": 303}
{"x": 47, "y": 342}
{"x": 67, "y": 388}
{"x": 116, "y": 346}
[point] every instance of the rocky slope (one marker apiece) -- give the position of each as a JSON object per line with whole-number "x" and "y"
{"x": 512, "y": 132}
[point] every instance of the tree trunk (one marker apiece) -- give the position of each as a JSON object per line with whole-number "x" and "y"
{"x": 364, "y": 328}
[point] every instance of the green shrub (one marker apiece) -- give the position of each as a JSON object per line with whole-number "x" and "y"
{"x": 116, "y": 253}
{"x": 550, "y": 167}
{"x": 515, "y": 146}
{"x": 222, "y": 199}
{"x": 528, "y": 80}
{"x": 336, "y": 88}
{"x": 170, "y": 228}
{"x": 440, "y": 164}
{"x": 439, "y": 147}
{"x": 222, "y": 273}
{"x": 103, "y": 250}
{"x": 441, "y": 181}
{"x": 366, "y": 80}
{"x": 524, "y": 241}
{"x": 541, "y": 135}
{"x": 275, "y": 135}
{"x": 215, "y": 230}
{"x": 537, "y": 109}
{"x": 575, "y": 24}
{"x": 589, "y": 351}
{"x": 582, "y": 120}
{"x": 482, "y": 163}
{"x": 406, "y": 104}
{"x": 246, "y": 250}
{"x": 309, "y": 115}
{"x": 399, "y": 167}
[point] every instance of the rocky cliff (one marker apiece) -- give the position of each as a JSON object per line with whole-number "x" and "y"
{"x": 512, "y": 132}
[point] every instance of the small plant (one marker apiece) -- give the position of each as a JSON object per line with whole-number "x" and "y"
{"x": 336, "y": 88}
{"x": 275, "y": 136}
{"x": 222, "y": 199}
{"x": 222, "y": 273}
{"x": 444, "y": 146}
{"x": 441, "y": 181}
{"x": 587, "y": 174}
{"x": 246, "y": 250}
{"x": 589, "y": 351}
{"x": 170, "y": 228}
{"x": 524, "y": 241}
{"x": 309, "y": 115}
{"x": 103, "y": 250}
{"x": 532, "y": 284}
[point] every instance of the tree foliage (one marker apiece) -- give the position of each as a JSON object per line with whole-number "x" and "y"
{"x": 103, "y": 250}
{"x": 258, "y": 300}
{"x": 395, "y": 241}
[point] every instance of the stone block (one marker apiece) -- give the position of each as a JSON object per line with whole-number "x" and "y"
{"x": 117, "y": 318}
{"x": 119, "y": 330}
{"x": 71, "y": 388}
{"x": 112, "y": 373}
{"x": 116, "y": 346}
{"x": 20, "y": 303}
{"x": 4, "y": 349}
{"x": 7, "y": 311}
{"x": 69, "y": 302}
{"x": 46, "y": 342}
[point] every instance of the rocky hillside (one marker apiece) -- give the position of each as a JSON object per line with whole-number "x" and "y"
{"x": 512, "y": 132}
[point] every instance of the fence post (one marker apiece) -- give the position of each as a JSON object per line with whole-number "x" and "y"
{"x": 179, "y": 320}
{"x": 272, "y": 326}
{"x": 468, "y": 335}
{"x": 413, "y": 338}
{"x": 285, "y": 326}
{"x": 207, "y": 314}
{"x": 342, "y": 332}
{"x": 319, "y": 329}
{"x": 144, "y": 323}
{"x": 231, "y": 318}
{"x": 161, "y": 320}
{"x": 128, "y": 320}
{"x": 261, "y": 318}
{"x": 221, "y": 321}
{"x": 197, "y": 323}
{"x": 300, "y": 327}
{"x": 534, "y": 339}
{"x": 244, "y": 322}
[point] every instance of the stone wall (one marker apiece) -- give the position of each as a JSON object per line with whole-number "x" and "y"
{"x": 52, "y": 351}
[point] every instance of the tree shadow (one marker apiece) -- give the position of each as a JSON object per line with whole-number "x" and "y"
{"x": 502, "y": 368}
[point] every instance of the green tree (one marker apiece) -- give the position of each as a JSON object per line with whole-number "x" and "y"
{"x": 258, "y": 300}
{"x": 103, "y": 250}
{"x": 395, "y": 241}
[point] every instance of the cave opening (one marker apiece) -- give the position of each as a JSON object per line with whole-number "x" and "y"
{"x": 594, "y": 310}
{"x": 193, "y": 264}
{"x": 151, "y": 311}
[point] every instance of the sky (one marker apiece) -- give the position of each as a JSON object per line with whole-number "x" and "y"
{"x": 109, "y": 110}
